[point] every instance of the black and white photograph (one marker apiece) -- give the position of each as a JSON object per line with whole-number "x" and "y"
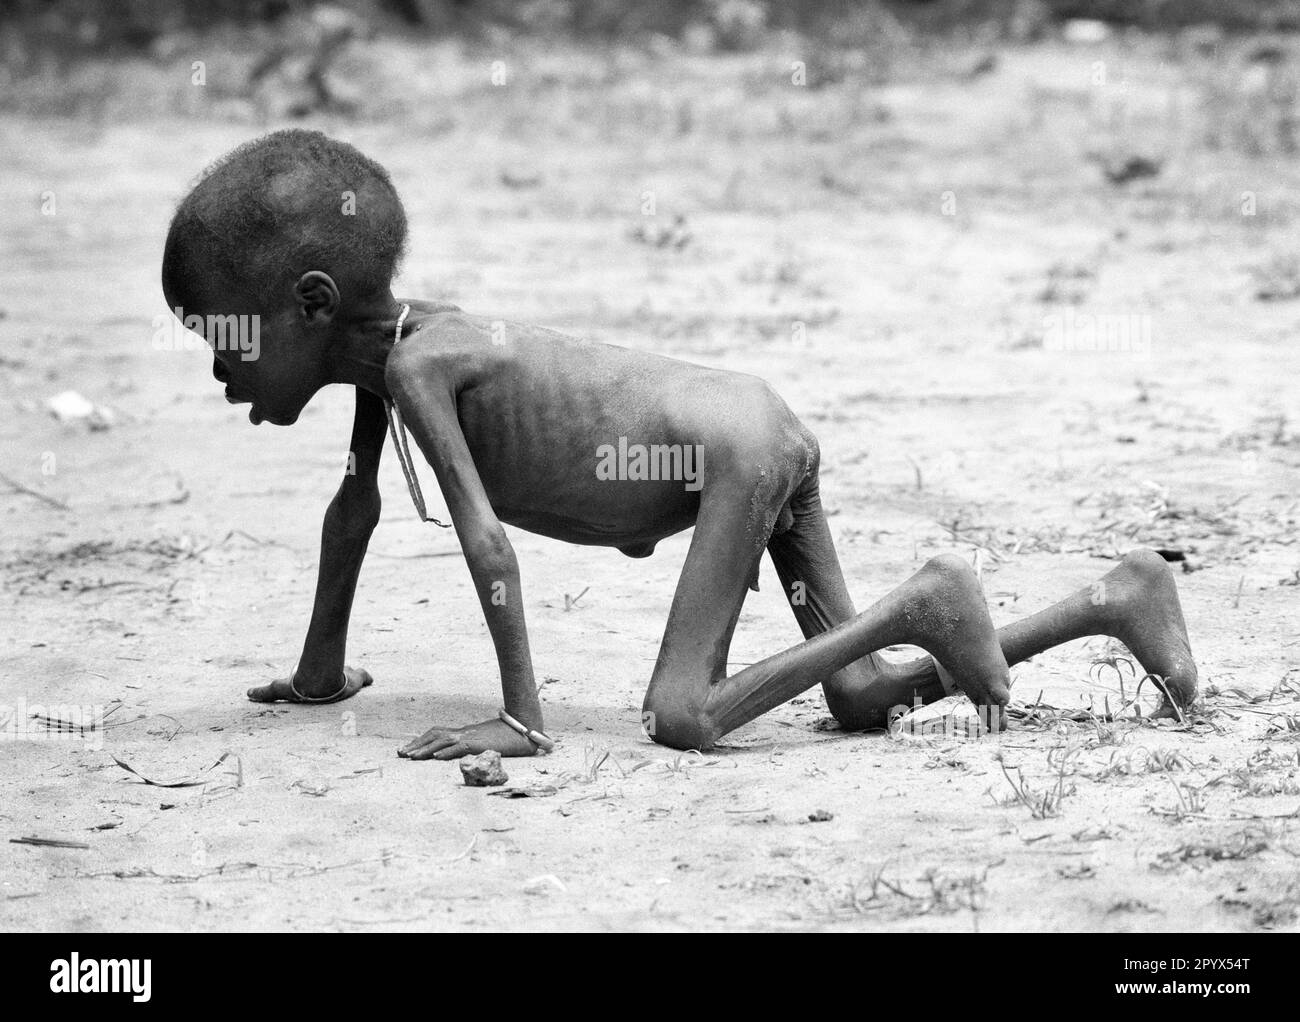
{"x": 700, "y": 466}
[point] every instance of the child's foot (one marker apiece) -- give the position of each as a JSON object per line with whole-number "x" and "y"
{"x": 286, "y": 691}
{"x": 944, "y": 608}
{"x": 954, "y": 626}
{"x": 1139, "y": 602}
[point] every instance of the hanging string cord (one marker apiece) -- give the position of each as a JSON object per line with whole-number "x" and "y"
{"x": 398, "y": 430}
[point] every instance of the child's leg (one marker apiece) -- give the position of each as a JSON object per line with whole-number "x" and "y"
{"x": 861, "y": 694}
{"x": 690, "y": 703}
{"x": 1136, "y": 603}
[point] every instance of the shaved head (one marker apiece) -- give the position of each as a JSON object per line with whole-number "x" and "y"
{"x": 277, "y": 207}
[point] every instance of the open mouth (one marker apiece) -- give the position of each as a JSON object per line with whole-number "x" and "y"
{"x": 254, "y": 416}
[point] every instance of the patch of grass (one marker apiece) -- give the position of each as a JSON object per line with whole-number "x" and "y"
{"x": 1236, "y": 847}
{"x": 1265, "y": 431}
{"x": 1284, "y": 727}
{"x": 1041, "y": 716}
{"x": 1130, "y": 905}
{"x": 933, "y": 892}
{"x": 1153, "y": 516}
{"x": 1046, "y": 803}
{"x": 1286, "y": 687}
{"x": 1191, "y": 802}
{"x": 1264, "y": 774}
{"x": 1143, "y": 761}
{"x": 1266, "y": 913}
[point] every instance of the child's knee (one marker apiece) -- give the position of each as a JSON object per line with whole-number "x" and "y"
{"x": 668, "y": 721}
{"x": 857, "y": 706}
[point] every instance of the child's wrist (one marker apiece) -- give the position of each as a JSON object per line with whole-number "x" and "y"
{"x": 541, "y": 741}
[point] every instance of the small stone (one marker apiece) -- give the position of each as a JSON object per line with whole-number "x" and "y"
{"x": 820, "y": 816}
{"x": 70, "y": 405}
{"x": 483, "y": 770}
{"x": 542, "y": 884}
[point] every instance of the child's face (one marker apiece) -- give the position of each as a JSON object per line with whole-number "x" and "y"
{"x": 272, "y": 361}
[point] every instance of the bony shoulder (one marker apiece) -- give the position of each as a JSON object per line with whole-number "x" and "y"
{"x": 409, "y": 364}
{"x": 453, "y": 330}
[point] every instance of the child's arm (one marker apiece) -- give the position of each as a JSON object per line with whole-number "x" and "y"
{"x": 426, "y": 398}
{"x": 351, "y": 517}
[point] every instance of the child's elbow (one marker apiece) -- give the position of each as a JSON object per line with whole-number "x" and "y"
{"x": 490, "y": 554}
{"x": 354, "y": 513}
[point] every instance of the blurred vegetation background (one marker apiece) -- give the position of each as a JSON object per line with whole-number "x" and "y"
{"x": 261, "y": 61}
{"x": 66, "y": 29}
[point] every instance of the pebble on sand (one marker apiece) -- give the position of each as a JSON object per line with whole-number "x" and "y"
{"x": 483, "y": 770}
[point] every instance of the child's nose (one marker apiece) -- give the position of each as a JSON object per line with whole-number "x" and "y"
{"x": 221, "y": 373}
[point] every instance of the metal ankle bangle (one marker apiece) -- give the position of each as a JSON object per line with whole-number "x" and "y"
{"x": 316, "y": 699}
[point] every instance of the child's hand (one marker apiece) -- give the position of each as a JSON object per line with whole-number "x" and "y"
{"x": 454, "y": 742}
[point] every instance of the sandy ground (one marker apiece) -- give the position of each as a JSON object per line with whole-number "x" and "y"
{"x": 907, "y": 327}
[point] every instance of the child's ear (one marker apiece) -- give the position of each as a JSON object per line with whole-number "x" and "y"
{"x": 317, "y": 296}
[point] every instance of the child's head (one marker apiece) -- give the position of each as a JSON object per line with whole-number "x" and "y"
{"x": 298, "y": 230}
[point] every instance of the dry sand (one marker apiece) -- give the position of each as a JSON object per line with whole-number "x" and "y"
{"x": 182, "y": 569}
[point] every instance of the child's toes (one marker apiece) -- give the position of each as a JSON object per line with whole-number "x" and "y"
{"x": 271, "y": 693}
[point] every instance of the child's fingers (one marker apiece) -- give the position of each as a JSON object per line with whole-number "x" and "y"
{"x": 428, "y": 743}
{"x": 434, "y": 749}
{"x": 432, "y": 735}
